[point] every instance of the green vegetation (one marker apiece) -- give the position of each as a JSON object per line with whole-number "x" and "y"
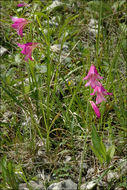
{"x": 45, "y": 101}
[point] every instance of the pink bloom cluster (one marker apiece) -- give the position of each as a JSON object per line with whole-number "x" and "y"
{"x": 19, "y": 24}
{"x": 92, "y": 78}
{"x": 27, "y": 49}
{"x": 22, "y": 5}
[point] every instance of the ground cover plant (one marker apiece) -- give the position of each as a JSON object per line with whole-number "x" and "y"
{"x": 63, "y": 91}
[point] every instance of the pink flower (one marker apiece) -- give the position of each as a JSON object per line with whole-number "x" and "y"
{"x": 92, "y": 77}
{"x": 19, "y": 24}
{"x": 96, "y": 109}
{"x": 101, "y": 91}
{"x": 22, "y": 5}
{"x": 27, "y": 49}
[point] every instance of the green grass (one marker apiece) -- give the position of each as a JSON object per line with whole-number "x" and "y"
{"x": 47, "y": 99}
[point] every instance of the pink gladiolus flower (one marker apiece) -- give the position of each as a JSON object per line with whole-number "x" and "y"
{"x": 92, "y": 77}
{"x": 27, "y": 49}
{"x": 19, "y": 24}
{"x": 96, "y": 109}
{"x": 101, "y": 91}
{"x": 22, "y": 5}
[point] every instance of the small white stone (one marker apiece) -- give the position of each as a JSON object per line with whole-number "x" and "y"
{"x": 2, "y": 50}
{"x": 83, "y": 186}
{"x": 90, "y": 172}
{"x": 36, "y": 186}
{"x": 54, "y": 5}
{"x": 90, "y": 185}
{"x": 118, "y": 188}
{"x": 93, "y": 23}
{"x": 112, "y": 176}
{"x": 22, "y": 186}
{"x": 39, "y": 153}
{"x": 93, "y": 27}
{"x": 67, "y": 158}
{"x": 57, "y": 47}
{"x": 63, "y": 185}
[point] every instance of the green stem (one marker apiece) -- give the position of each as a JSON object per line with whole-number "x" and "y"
{"x": 99, "y": 29}
{"x": 82, "y": 159}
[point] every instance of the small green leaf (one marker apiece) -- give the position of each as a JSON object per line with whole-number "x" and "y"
{"x": 97, "y": 155}
{"x": 40, "y": 14}
{"x": 110, "y": 153}
{"x": 98, "y": 145}
{"x": 27, "y": 89}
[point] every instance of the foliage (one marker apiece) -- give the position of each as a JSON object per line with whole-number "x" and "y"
{"x": 99, "y": 148}
{"x": 45, "y": 99}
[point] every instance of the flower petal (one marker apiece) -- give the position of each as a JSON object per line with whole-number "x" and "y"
{"x": 109, "y": 93}
{"x": 86, "y": 78}
{"x": 27, "y": 49}
{"x": 21, "y": 45}
{"x": 100, "y": 98}
{"x": 96, "y": 109}
{"x": 92, "y": 94}
{"x": 14, "y": 19}
{"x": 22, "y": 5}
{"x": 88, "y": 83}
{"x": 93, "y": 76}
{"x": 19, "y": 24}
